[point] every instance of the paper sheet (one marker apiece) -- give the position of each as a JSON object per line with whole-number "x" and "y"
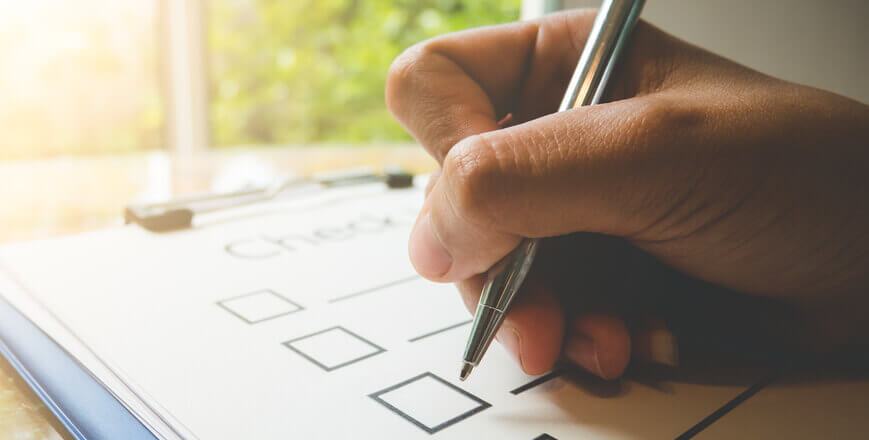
{"x": 304, "y": 319}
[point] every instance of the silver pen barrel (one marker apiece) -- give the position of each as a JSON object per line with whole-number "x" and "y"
{"x": 608, "y": 37}
{"x": 501, "y": 287}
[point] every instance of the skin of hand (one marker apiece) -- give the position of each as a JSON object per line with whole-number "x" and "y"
{"x": 703, "y": 203}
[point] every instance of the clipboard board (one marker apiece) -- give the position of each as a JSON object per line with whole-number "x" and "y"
{"x": 79, "y": 402}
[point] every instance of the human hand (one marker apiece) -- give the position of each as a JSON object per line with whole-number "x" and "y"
{"x": 697, "y": 179}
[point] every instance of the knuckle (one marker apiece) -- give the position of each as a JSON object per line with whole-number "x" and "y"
{"x": 475, "y": 175}
{"x": 402, "y": 72}
{"x": 658, "y": 120}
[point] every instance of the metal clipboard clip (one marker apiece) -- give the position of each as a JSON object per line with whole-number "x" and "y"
{"x": 179, "y": 213}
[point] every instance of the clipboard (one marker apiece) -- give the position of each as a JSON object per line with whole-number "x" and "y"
{"x": 79, "y": 401}
{"x": 81, "y": 404}
{"x": 323, "y": 333}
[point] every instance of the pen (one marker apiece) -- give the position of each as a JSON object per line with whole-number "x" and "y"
{"x": 607, "y": 39}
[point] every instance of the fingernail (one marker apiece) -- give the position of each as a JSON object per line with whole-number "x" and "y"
{"x": 428, "y": 255}
{"x": 583, "y": 352}
{"x": 662, "y": 347}
{"x": 508, "y": 337}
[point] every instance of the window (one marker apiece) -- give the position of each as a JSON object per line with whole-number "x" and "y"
{"x": 78, "y": 78}
{"x": 313, "y": 71}
{"x": 122, "y": 101}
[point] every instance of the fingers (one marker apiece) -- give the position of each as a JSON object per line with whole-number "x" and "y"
{"x": 600, "y": 344}
{"x": 437, "y": 101}
{"x": 612, "y": 168}
{"x": 462, "y": 84}
{"x": 533, "y": 330}
{"x": 432, "y": 179}
{"x": 653, "y": 342}
{"x": 454, "y": 86}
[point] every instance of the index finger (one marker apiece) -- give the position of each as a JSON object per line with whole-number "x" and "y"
{"x": 457, "y": 85}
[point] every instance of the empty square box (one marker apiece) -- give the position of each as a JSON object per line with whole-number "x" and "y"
{"x": 259, "y": 306}
{"x": 334, "y": 348}
{"x": 430, "y": 402}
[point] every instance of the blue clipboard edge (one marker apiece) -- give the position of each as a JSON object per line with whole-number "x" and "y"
{"x": 40, "y": 392}
{"x": 78, "y": 400}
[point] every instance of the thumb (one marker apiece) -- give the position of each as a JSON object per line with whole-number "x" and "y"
{"x": 611, "y": 168}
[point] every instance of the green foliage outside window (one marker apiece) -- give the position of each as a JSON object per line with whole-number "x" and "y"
{"x": 307, "y": 71}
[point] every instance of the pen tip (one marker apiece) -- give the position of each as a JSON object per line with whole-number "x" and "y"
{"x": 466, "y": 371}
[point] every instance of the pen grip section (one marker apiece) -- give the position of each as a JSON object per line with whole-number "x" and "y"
{"x": 506, "y": 277}
{"x": 486, "y": 323}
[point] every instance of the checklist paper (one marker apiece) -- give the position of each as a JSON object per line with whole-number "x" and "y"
{"x": 303, "y": 318}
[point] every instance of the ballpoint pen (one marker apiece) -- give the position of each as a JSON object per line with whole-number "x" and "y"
{"x": 609, "y": 34}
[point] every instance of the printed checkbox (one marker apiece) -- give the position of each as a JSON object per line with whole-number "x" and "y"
{"x": 430, "y": 402}
{"x": 334, "y": 348}
{"x": 259, "y": 306}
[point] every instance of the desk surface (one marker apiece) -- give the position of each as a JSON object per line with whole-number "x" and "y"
{"x": 22, "y": 414}
{"x": 68, "y": 195}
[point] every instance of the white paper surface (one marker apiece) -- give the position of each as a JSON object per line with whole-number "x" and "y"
{"x": 343, "y": 318}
